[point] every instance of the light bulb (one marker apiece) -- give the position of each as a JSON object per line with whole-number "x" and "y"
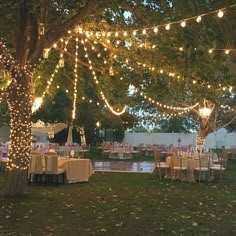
{"x": 220, "y": 14}
{"x": 227, "y": 51}
{"x": 198, "y": 19}
{"x": 167, "y": 27}
{"x": 183, "y": 24}
{"x": 155, "y": 30}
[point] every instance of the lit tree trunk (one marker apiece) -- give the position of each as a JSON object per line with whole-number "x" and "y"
{"x": 82, "y": 136}
{"x": 19, "y": 100}
{"x": 203, "y": 131}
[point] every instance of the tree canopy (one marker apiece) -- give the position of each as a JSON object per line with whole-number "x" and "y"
{"x": 124, "y": 43}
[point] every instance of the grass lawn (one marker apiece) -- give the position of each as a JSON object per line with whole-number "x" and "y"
{"x": 123, "y": 204}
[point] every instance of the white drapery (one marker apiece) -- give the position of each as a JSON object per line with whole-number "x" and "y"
{"x": 41, "y": 129}
{"x": 69, "y": 136}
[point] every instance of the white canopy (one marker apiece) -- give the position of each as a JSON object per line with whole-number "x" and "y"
{"x": 41, "y": 129}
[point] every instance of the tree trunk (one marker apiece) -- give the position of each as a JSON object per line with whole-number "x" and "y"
{"x": 19, "y": 101}
{"x": 203, "y": 131}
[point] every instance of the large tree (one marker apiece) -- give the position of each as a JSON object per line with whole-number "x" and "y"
{"x": 116, "y": 44}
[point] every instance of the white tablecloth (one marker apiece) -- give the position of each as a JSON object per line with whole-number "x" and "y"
{"x": 76, "y": 169}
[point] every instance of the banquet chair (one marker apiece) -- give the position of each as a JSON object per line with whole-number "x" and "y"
{"x": 52, "y": 169}
{"x": 218, "y": 171}
{"x": 160, "y": 165}
{"x": 3, "y": 161}
{"x": 128, "y": 152}
{"x": 179, "y": 168}
{"x": 215, "y": 159}
{"x": 202, "y": 168}
{"x": 36, "y": 170}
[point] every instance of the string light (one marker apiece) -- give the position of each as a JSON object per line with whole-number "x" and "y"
{"x": 19, "y": 101}
{"x": 198, "y": 19}
{"x": 76, "y": 79}
{"x": 153, "y": 68}
{"x": 115, "y": 112}
{"x": 49, "y": 82}
{"x": 167, "y": 106}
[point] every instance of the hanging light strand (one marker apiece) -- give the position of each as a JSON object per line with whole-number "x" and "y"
{"x": 131, "y": 65}
{"x": 169, "y": 107}
{"x": 49, "y": 82}
{"x": 115, "y": 112}
{"x": 76, "y": 79}
{"x": 153, "y": 29}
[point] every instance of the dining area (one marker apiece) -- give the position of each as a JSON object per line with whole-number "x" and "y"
{"x": 195, "y": 166}
{"x": 49, "y": 168}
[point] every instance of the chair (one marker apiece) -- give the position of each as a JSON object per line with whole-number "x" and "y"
{"x": 36, "y": 168}
{"x": 219, "y": 170}
{"x": 179, "y": 168}
{"x": 160, "y": 165}
{"x": 52, "y": 169}
{"x": 201, "y": 168}
{"x": 127, "y": 154}
{"x": 215, "y": 158}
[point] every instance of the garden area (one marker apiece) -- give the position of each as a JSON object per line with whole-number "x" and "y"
{"x": 80, "y": 74}
{"x": 123, "y": 204}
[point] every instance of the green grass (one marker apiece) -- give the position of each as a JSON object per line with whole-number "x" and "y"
{"x": 123, "y": 204}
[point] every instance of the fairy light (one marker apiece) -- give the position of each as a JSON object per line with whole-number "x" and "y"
{"x": 76, "y": 79}
{"x": 183, "y": 22}
{"x": 152, "y": 68}
{"x": 19, "y": 101}
{"x": 167, "y": 106}
{"x": 155, "y": 30}
{"x": 167, "y": 27}
{"x": 220, "y": 14}
{"x": 226, "y": 51}
{"x": 51, "y": 79}
{"x": 210, "y": 51}
{"x": 115, "y": 112}
{"x": 198, "y": 19}
{"x": 37, "y": 103}
{"x": 22, "y": 145}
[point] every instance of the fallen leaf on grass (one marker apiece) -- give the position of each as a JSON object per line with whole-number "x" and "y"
{"x": 194, "y": 224}
{"x": 119, "y": 225}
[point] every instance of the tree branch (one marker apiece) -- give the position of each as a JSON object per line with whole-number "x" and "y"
{"x": 7, "y": 61}
{"x": 79, "y": 61}
{"x": 225, "y": 125}
{"x": 60, "y": 30}
{"x": 21, "y": 50}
